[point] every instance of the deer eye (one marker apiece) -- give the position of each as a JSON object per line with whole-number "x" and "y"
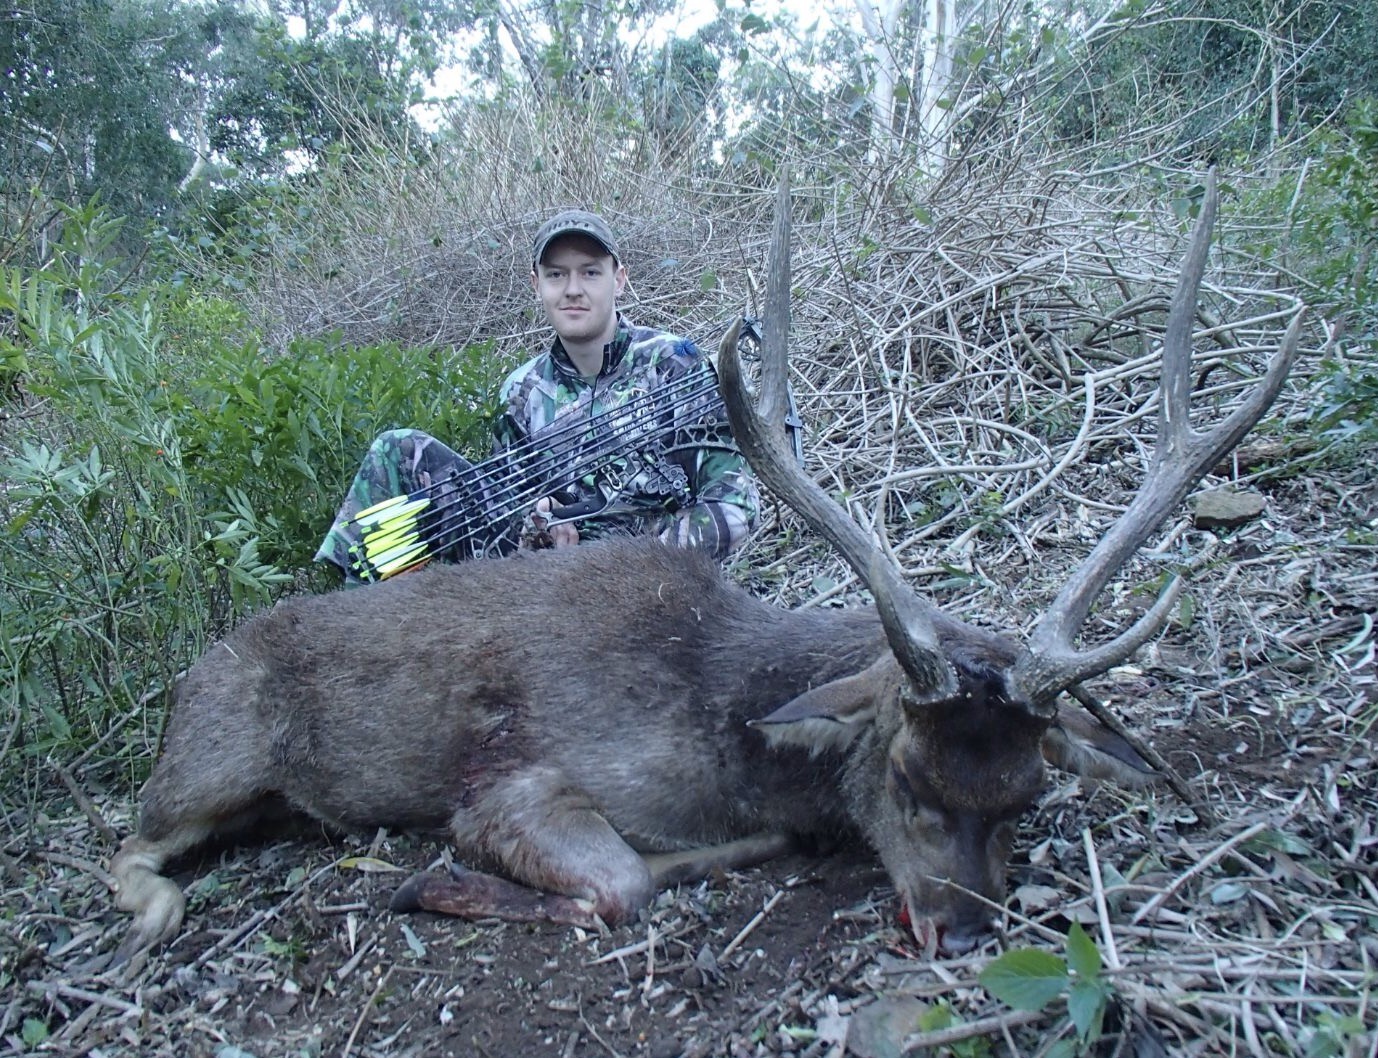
{"x": 917, "y": 815}
{"x": 901, "y": 787}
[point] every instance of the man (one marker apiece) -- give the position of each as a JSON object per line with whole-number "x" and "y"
{"x": 603, "y": 378}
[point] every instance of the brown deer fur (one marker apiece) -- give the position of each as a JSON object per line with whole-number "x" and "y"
{"x": 564, "y": 711}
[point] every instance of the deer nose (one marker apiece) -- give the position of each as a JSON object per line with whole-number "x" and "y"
{"x": 948, "y": 935}
{"x": 940, "y": 935}
{"x": 969, "y": 924}
{"x": 959, "y": 941}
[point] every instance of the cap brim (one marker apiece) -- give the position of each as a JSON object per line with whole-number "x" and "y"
{"x": 611, "y": 251}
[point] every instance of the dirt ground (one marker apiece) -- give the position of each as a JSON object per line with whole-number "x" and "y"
{"x": 1250, "y": 933}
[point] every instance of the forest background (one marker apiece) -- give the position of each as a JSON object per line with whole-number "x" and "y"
{"x": 237, "y": 240}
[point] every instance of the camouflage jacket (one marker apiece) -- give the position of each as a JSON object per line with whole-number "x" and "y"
{"x": 720, "y": 502}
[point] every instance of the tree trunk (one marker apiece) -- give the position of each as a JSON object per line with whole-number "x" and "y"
{"x": 936, "y": 105}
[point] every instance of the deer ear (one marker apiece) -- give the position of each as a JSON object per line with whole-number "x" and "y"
{"x": 831, "y": 715}
{"x": 1077, "y": 743}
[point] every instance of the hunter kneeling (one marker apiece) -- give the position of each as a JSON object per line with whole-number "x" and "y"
{"x": 615, "y": 429}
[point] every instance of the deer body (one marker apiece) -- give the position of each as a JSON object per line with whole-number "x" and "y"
{"x": 565, "y": 712}
{"x": 631, "y": 669}
{"x": 555, "y": 710}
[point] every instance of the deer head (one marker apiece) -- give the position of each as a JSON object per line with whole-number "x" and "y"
{"x": 973, "y": 715}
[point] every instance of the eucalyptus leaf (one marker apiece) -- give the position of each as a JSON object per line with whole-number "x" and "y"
{"x": 1229, "y": 892}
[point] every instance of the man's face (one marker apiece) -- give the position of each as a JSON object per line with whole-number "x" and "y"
{"x": 578, "y": 283}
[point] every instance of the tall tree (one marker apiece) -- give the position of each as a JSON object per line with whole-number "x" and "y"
{"x": 138, "y": 100}
{"x": 93, "y": 92}
{"x": 679, "y": 91}
{"x": 309, "y": 72}
{"x": 565, "y": 48}
{"x": 1226, "y": 74}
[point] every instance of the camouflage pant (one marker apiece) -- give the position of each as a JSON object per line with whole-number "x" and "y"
{"x": 398, "y": 462}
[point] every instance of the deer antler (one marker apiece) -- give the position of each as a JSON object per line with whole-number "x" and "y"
{"x": 909, "y": 621}
{"x": 1181, "y": 459}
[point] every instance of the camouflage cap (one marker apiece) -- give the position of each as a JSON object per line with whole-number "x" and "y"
{"x": 574, "y": 222}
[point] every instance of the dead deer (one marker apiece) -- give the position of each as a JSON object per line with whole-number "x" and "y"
{"x": 596, "y": 722}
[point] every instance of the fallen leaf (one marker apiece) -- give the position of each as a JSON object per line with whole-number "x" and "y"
{"x": 1033, "y": 898}
{"x": 878, "y": 1030}
{"x": 369, "y": 864}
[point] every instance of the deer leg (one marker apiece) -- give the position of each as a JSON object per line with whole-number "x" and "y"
{"x": 672, "y": 868}
{"x": 156, "y": 901}
{"x": 473, "y": 894}
{"x": 179, "y": 811}
{"x": 546, "y": 833}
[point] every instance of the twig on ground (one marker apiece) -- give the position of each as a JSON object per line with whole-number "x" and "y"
{"x": 88, "y": 809}
{"x": 971, "y": 1029}
{"x": 1107, "y": 931}
{"x": 1201, "y": 865}
{"x": 84, "y": 995}
{"x": 365, "y": 1010}
{"x": 756, "y": 920}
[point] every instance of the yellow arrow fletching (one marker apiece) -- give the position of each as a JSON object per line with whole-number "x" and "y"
{"x": 390, "y": 510}
{"x": 381, "y": 564}
{"x": 380, "y": 547}
{"x": 401, "y": 562}
{"x": 381, "y": 505}
{"x": 389, "y": 541}
{"x": 377, "y": 543}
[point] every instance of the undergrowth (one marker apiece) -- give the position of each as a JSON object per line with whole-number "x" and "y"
{"x": 164, "y": 472}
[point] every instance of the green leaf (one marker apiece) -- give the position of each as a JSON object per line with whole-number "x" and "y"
{"x": 1280, "y": 841}
{"x": 1026, "y": 979}
{"x": 34, "y": 1032}
{"x": 1086, "y": 1007}
{"x": 1082, "y": 953}
{"x": 57, "y": 723}
{"x": 938, "y": 1016}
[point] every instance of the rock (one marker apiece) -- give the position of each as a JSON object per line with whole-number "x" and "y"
{"x": 1226, "y": 508}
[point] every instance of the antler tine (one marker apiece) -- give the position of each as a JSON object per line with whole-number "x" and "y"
{"x": 760, "y": 433}
{"x": 774, "y": 403}
{"x": 1181, "y": 458}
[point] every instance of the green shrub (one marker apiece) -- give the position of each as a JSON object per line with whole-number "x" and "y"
{"x": 1349, "y": 170}
{"x": 165, "y": 475}
{"x": 282, "y": 436}
{"x": 1344, "y": 226}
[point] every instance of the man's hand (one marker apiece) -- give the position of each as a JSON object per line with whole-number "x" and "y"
{"x": 539, "y": 533}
